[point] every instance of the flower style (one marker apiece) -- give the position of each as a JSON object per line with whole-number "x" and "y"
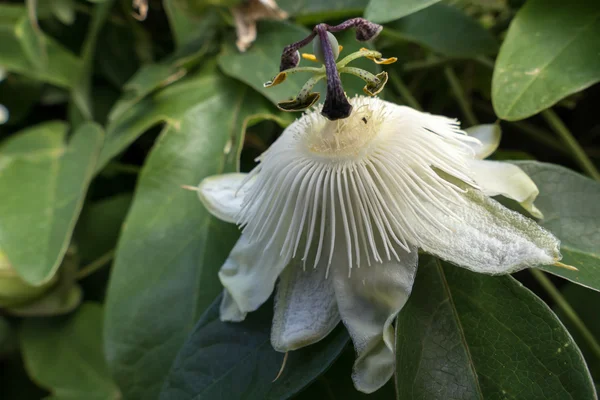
{"x": 338, "y": 210}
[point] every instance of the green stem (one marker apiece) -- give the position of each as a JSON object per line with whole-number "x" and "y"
{"x": 485, "y": 61}
{"x": 570, "y": 313}
{"x": 460, "y": 95}
{"x": 569, "y": 140}
{"x": 425, "y": 64}
{"x": 394, "y": 34}
{"x": 401, "y": 87}
{"x": 95, "y": 265}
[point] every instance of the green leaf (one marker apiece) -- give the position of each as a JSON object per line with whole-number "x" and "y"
{"x": 81, "y": 93}
{"x": 141, "y": 108}
{"x": 64, "y": 10}
{"x": 336, "y": 383}
{"x": 388, "y": 10}
{"x": 61, "y": 300}
{"x": 170, "y": 249}
{"x": 265, "y": 55}
{"x": 551, "y": 51}
{"x": 317, "y": 10}
{"x": 464, "y": 335}
{"x": 18, "y": 51}
{"x": 47, "y": 179}
{"x": 99, "y": 226}
{"x": 65, "y": 355}
{"x": 191, "y": 32}
{"x": 581, "y": 299}
{"x": 19, "y": 95}
{"x": 445, "y": 30}
{"x": 222, "y": 360}
{"x": 570, "y": 203}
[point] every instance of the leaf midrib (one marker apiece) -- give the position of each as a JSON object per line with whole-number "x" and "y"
{"x": 461, "y": 331}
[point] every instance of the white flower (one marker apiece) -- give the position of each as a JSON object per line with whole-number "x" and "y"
{"x": 337, "y": 210}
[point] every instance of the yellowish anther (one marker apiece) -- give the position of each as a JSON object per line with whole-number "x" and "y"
{"x": 277, "y": 80}
{"x": 310, "y": 57}
{"x": 383, "y": 61}
{"x": 364, "y": 49}
{"x": 565, "y": 266}
{"x": 340, "y": 48}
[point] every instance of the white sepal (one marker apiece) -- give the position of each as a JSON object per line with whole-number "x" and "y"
{"x": 501, "y": 178}
{"x": 305, "y": 308}
{"x": 369, "y": 301}
{"x": 222, "y": 195}
{"x": 489, "y": 135}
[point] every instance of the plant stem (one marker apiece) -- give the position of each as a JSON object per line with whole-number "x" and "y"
{"x": 486, "y": 62}
{"x": 569, "y": 140}
{"x": 401, "y": 87}
{"x": 95, "y": 265}
{"x": 425, "y": 64}
{"x": 459, "y": 93}
{"x": 570, "y": 313}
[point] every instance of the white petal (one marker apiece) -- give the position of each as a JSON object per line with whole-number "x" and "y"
{"x": 489, "y": 135}
{"x": 305, "y": 308}
{"x": 229, "y": 311}
{"x": 368, "y": 301}
{"x": 222, "y": 195}
{"x": 501, "y": 178}
{"x": 250, "y": 272}
{"x": 486, "y": 237}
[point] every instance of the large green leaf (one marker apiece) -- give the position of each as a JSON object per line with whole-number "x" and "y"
{"x": 582, "y": 299}
{"x": 143, "y": 106}
{"x": 222, "y": 361}
{"x": 265, "y": 54}
{"x": 47, "y": 180}
{"x": 388, "y": 10}
{"x": 318, "y": 10}
{"x": 81, "y": 93}
{"x": 551, "y": 51}
{"x": 464, "y": 336}
{"x": 571, "y": 206}
{"x": 17, "y": 50}
{"x": 445, "y": 30}
{"x": 99, "y": 225}
{"x": 64, "y": 355}
{"x": 170, "y": 249}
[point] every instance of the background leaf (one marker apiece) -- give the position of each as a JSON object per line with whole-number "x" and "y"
{"x": 551, "y": 51}
{"x": 142, "y": 109}
{"x": 169, "y": 252}
{"x": 571, "y": 206}
{"x": 317, "y": 10}
{"x": 388, "y": 10}
{"x": 468, "y": 336}
{"x": 222, "y": 360}
{"x": 60, "y": 66}
{"x": 445, "y": 30}
{"x": 47, "y": 180}
{"x": 581, "y": 300}
{"x": 65, "y": 355}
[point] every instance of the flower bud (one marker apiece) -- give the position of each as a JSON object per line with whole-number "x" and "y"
{"x": 289, "y": 59}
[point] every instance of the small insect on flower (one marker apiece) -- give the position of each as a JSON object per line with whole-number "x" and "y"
{"x": 337, "y": 210}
